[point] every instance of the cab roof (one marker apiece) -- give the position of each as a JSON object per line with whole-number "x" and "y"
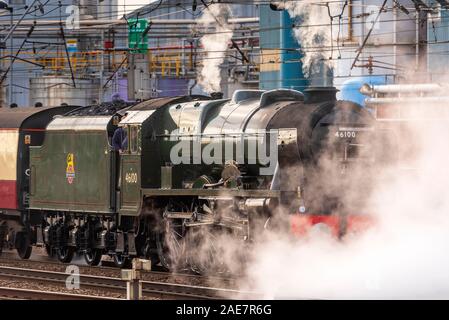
{"x": 157, "y": 103}
{"x": 14, "y": 118}
{"x": 78, "y": 123}
{"x": 136, "y": 117}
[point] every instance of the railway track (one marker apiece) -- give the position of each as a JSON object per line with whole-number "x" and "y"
{"x": 107, "y": 267}
{"x": 7, "y": 293}
{"x": 118, "y": 286}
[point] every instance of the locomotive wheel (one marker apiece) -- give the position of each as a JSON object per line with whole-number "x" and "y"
{"x": 65, "y": 254}
{"x": 49, "y": 251}
{"x": 23, "y": 246}
{"x": 25, "y": 253}
{"x": 171, "y": 246}
{"x": 2, "y": 238}
{"x": 93, "y": 257}
{"x": 151, "y": 254}
{"x": 205, "y": 256}
{"x": 122, "y": 262}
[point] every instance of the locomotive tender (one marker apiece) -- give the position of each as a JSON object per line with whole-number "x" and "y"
{"x": 65, "y": 188}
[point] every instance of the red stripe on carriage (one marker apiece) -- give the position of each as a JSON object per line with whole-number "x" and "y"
{"x": 8, "y": 194}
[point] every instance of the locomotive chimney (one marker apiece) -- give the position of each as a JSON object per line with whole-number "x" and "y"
{"x": 321, "y": 82}
{"x": 320, "y": 94}
{"x": 217, "y": 95}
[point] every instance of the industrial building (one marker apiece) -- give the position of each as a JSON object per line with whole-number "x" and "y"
{"x": 81, "y": 52}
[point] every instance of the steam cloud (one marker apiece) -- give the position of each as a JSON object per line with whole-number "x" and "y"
{"x": 313, "y": 34}
{"x": 404, "y": 255}
{"x": 214, "y": 45}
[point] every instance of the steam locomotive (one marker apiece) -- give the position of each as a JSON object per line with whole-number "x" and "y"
{"x": 193, "y": 168}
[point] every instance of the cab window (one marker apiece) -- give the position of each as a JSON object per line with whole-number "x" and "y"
{"x": 134, "y": 139}
{"x": 126, "y": 140}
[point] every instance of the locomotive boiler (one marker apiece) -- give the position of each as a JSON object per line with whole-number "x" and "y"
{"x": 194, "y": 169}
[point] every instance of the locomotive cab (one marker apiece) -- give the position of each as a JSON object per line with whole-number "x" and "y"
{"x": 131, "y": 161}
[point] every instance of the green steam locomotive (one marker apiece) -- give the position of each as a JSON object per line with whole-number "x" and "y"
{"x": 192, "y": 169}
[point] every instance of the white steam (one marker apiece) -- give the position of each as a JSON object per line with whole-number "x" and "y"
{"x": 214, "y": 44}
{"x": 404, "y": 255}
{"x": 313, "y": 32}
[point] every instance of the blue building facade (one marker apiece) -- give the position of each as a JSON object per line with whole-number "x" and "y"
{"x": 280, "y": 62}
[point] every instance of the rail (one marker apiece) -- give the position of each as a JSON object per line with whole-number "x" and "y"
{"x": 26, "y": 294}
{"x": 117, "y": 285}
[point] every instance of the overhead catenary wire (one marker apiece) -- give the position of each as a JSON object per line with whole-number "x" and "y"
{"x": 68, "y": 56}
{"x": 15, "y": 56}
{"x": 441, "y": 26}
{"x": 359, "y": 51}
{"x": 234, "y": 44}
{"x": 310, "y": 25}
{"x": 305, "y": 48}
{"x": 178, "y": 4}
{"x": 147, "y": 29}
